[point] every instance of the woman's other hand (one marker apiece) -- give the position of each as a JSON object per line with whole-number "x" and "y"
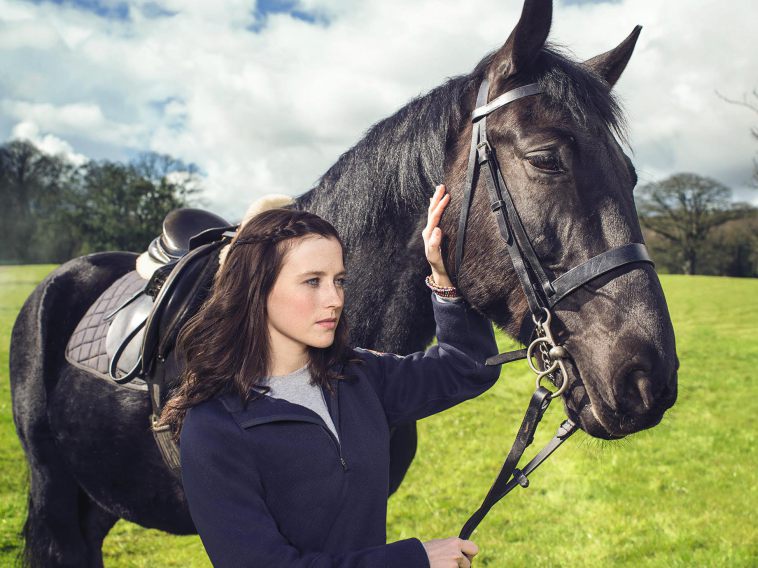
{"x": 433, "y": 236}
{"x": 450, "y": 552}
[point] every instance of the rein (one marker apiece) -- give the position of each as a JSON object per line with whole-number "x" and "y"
{"x": 542, "y": 294}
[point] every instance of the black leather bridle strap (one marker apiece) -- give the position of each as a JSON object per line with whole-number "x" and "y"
{"x": 534, "y": 413}
{"x": 519, "y": 248}
{"x": 597, "y": 266}
{"x": 541, "y": 293}
{"x": 521, "y": 477}
{"x": 483, "y": 109}
{"x": 480, "y": 154}
{"x": 468, "y": 188}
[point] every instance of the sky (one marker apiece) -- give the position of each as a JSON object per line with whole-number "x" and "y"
{"x": 264, "y": 96}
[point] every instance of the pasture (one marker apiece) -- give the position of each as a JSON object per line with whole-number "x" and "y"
{"x": 681, "y": 494}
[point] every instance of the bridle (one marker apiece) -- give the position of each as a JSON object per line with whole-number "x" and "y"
{"x": 542, "y": 294}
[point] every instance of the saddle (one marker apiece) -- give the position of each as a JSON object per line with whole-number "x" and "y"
{"x": 129, "y": 333}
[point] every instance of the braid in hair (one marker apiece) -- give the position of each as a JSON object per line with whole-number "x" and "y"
{"x": 295, "y": 228}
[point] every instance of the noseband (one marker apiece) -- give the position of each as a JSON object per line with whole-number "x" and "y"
{"x": 542, "y": 294}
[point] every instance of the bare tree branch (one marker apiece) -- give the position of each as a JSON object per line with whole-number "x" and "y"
{"x": 743, "y": 103}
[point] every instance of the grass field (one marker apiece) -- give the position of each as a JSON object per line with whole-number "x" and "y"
{"x": 682, "y": 494}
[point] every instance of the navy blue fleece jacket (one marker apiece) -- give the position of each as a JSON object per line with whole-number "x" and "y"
{"x": 270, "y": 485}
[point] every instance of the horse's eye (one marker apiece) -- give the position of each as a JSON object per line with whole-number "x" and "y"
{"x": 546, "y": 161}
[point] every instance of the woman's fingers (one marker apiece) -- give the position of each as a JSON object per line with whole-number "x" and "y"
{"x": 469, "y": 548}
{"x": 437, "y": 204}
{"x": 438, "y": 192}
{"x": 432, "y": 235}
{"x": 450, "y": 552}
{"x": 436, "y": 237}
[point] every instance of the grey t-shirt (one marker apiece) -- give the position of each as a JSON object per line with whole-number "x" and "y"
{"x": 296, "y": 387}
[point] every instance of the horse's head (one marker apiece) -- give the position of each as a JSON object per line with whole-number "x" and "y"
{"x": 571, "y": 184}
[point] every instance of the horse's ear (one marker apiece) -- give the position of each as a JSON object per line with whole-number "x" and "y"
{"x": 526, "y": 39}
{"x": 611, "y": 64}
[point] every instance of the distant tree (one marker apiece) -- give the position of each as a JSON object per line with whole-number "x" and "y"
{"x": 35, "y": 189}
{"x": 53, "y": 210}
{"x": 734, "y": 247}
{"x": 121, "y": 206}
{"x": 683, "y": 209}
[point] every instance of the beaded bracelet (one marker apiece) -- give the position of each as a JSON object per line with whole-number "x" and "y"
{"x": 443, "y": 291}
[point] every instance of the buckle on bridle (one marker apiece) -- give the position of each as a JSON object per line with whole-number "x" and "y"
{"x": 553, "y": 354}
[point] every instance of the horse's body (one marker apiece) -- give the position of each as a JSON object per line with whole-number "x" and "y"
{"x": 92, "y": 457}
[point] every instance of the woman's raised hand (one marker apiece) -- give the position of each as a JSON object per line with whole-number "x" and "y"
{"x": 450, "y": 552}
{"x": 433, "y": 236}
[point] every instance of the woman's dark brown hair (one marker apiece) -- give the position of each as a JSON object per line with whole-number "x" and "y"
{"x": 224, "y": 347}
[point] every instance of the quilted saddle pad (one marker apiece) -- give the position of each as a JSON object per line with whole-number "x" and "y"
{"x": 86, "y": 347}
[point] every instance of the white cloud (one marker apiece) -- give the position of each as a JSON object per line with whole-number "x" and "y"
{"x": 76, "y": 118}
{"x": 271, "y": 111}
{"x": 48, "y": 143}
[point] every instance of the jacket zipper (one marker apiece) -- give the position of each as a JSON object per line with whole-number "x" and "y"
{"x": 319, "y": 422}
{"x": 312, "y": 420}
{"x": 336, "y": 425}
{"x": 337, "y": 446}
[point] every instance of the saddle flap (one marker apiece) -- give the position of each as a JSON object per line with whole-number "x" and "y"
{"x": 179, "y": 297}
{"x": 123, "y": 327}
{"x": 86, "y": 348}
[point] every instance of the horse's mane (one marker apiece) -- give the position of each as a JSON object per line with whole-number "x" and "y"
{"x": 398, "y": 160}
{"x": 396, "y": 164}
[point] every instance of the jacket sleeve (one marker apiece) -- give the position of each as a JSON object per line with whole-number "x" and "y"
{"x": 227, "y": 505}
{"x": 446, "y": 374}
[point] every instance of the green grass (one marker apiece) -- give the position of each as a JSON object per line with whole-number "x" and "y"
{"x": 681, "y": 494}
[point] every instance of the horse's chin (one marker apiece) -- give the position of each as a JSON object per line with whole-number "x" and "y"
{"x": 600, "y": 421}
{"x": 588, "y": 421}
{"x": 586, "y": 410}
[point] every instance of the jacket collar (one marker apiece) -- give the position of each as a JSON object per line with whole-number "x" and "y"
{"x": 267, "y": 409}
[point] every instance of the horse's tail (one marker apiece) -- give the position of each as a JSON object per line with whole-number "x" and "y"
{"x": 38, "y": 341}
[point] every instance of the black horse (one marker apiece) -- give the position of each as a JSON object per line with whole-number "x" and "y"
{"x": 92, "y": 457}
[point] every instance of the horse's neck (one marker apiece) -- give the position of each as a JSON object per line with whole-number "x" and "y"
{"x": 385, "y": 265}
{"x": 388, "y": 304}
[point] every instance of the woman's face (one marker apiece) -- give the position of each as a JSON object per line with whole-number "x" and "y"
{"x": 306, "y": 301}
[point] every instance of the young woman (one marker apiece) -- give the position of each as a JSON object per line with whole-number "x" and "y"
{"x": 284, "y": 429}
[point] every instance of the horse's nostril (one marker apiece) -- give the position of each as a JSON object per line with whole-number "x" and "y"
{"x": 645, "y": 388}
{"x": 639, "y": 392}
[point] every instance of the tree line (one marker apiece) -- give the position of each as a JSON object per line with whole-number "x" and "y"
{"x": 692, "y": 226}
{"x": 52, "y": 210}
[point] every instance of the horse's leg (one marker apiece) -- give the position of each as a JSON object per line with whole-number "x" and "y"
{"x": 51, "y": 531}
{"x": 95, "y": 523}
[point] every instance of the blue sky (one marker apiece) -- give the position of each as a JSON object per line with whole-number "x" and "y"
{"x": 265, "y": 96}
